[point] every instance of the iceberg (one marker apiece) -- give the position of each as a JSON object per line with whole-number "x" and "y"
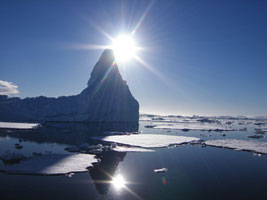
{"x": 147, "y": 140}
{"x": 244, "y": 145}
{"x": 107, "y": 98}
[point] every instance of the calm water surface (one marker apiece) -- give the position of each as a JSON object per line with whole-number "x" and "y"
{"x": 195, "y": 172}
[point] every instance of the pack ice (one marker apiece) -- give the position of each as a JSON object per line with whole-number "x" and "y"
{"x": 245, "y": 145}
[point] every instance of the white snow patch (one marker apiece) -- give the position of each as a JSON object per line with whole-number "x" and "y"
{"x": 131, "y": 149}
{"x": 245, "y": 145}
{"x": 53, "y": 164}
{"x": 147, "y": 140}
{"x": 13, "y": 125}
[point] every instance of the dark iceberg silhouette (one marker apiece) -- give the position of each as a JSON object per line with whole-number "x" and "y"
{"x": 107, "y": 98}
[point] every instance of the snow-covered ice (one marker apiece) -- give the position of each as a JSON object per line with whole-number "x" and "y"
{"x": 245, "y": 145}
{"x": 13, "y": 125}
{"x": 131, "y": 149}
{"x": 147, "y": 140}
{"x": 53, "y": 164}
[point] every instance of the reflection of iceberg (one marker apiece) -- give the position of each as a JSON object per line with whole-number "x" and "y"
{"x": 69, "y": 133}
{"x": 102, "y": 173}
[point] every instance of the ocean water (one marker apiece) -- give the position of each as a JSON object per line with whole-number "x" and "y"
{"x": 194, "y": 172}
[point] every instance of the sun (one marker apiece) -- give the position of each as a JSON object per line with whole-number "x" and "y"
{"x": 124, "y": 48}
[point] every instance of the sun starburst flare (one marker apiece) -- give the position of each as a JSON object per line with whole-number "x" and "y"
{"x": 124, "y": 48}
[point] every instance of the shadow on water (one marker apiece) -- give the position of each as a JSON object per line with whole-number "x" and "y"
{"x": 103, "y": 172}
{"x": 68, "y": 133}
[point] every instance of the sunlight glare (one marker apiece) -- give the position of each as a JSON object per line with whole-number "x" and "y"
{"x": 124, "y": 48}
{"x": 118, "y": 182}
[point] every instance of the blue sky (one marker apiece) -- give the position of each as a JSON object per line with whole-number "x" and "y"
{"x": 206, "y": 57}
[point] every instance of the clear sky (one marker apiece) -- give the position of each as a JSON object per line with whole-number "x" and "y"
{"x": 204, "y": 57}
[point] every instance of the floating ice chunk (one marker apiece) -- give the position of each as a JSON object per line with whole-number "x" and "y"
{"x": 131, "y": 149}
{"x": 12, "y": 125}
{"x": 70, "y": 175}
{"x": 162, "y": 170}
{"x": 207, "y": 120}
{"x": 259, "y": 123}
{"x": 147, "y": 140}
{"x": 245, "y": 145}
{"x": 262, "y": 130}
{"x": 53, "y": 164}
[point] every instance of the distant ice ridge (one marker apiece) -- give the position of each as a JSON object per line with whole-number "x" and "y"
{"x": 245, "y": 145}
{"x": 194, "y": 126}
{"x": 147, "y": 140}
{"x": 186, "y": 123}
{"x": 195, "y": 117}
{"x": 53, "y": 164}
{"x": 13, "y": 125}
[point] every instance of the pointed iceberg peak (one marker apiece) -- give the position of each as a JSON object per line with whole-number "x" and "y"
{"x": 107, "y": 56}
{"x": 105, "y": 68}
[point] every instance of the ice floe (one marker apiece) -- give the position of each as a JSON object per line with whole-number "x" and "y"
{"x": 53, "y": 164}
{"x": 262, "y": 130}
{"x": 147, "y": 140}
{"x": 131, "y": 149}
{"x": 162, "y": 170}
{"x": 13, "y": 125}
{"x": 245, "y": 145}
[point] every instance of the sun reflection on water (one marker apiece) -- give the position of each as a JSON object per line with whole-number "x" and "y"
{"x": 118, "y": 182}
